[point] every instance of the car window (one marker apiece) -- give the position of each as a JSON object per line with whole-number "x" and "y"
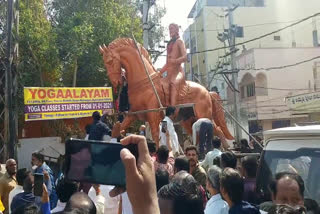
{"x": 298, "y": 165}
{"x": 304, "y": 161}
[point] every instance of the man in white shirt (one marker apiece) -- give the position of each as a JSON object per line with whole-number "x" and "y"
{"x": 111, "y": 204}
{"x": 202, "y": 134}
{"x": 210, "y": 156}
{"x": 172, "y": 133}
{"x": 216, "y": 205}
{"x": 21, "y": 175}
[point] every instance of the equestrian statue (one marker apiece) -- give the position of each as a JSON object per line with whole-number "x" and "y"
{"x": 125, "y": 54}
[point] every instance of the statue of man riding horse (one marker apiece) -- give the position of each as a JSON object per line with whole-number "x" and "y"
{"x": 176, "y": 55}
{"x": 123, "y": 53}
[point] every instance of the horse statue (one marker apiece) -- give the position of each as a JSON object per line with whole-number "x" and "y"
{"x": 123, "y": 53}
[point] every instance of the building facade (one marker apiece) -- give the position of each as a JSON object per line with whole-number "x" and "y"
{"x": 255, "y": 18}
{"x": 267, "y": 77}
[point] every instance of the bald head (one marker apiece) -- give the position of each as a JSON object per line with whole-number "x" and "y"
{"x": 288, "y": 188}
{"x": 11, "y": 167}
{"x": 82, "y": 201}
{"x": 10, "y": 161}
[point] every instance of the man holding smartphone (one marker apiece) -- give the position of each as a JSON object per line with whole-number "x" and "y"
{"x": 43, "y": 168}
{"x": 167, "y": 124}
{"x": 28, "y": 198}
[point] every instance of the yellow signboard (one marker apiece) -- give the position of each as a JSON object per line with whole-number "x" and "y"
{"x": 62, "y": 103}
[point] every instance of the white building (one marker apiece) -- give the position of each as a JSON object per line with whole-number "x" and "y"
{"x": 263, "y": 92}
{"x": 257, "y": 17}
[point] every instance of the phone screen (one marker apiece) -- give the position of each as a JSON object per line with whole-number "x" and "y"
{"x": 38, "y": 184}
{"x": 94, "y": 162}
{"x": 164, "y": 126}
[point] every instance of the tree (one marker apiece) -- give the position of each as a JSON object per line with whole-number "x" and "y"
{"x": 81, "y": 27}
{"x": 39, "y": 60}
{"x": 156, "y": 30}
{"x": 39, "y": 63}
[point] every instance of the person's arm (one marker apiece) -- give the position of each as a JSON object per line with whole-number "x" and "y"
{"x": 194, "y": 134}
{"x": 99, "y": 199}
{"x": 205, "y": 162}
{"x": 140, "y": 179}
{"x": 173, "y": 138}
{"x": 47, "y": 181}
{"x": 198, "y": 139}
{"x": 120, "y": 206}
{"x": 163, "y": 69}
{"x": 106, "y": 129}
{"x": 10, "y": 200}
{"x": 168, "y": 141}
{"x": 45, "y": 201}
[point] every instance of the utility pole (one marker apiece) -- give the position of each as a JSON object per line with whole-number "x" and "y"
{"x": 196, "y": 36}
{"x": 232, "y": 41}
{"x": 190, "y": 53}
{"x": 9, "y": 122}
{"x": 145, "y": 24}
{"x": 146, "y": 45}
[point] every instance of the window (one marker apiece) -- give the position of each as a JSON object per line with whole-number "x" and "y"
{"x": 193, "y": 45}
{"x": 251, "y": 90}
{"x": 277, "y": 38}
{"x": 280, "y": 124}
{"x": 304, "y": 161}
{"x": 242, "y": 92}
{"x": 261, "y": 85}
{"x": 316, "y": 75}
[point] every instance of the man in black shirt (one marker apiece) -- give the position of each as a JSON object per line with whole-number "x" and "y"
{"x": 98, "y": 129}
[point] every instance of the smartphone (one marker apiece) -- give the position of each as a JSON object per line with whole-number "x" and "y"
{"x": 96, "y": 161}
{"x": 38, "y": 184}
{"x": 164, "y": 126}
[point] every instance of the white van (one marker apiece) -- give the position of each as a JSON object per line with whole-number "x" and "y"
{"x": 293, "y": 149}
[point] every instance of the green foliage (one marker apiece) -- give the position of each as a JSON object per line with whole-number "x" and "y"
{"x": 62, "y": 36}
{"x": 81, "y": 27}
{"x": 156, "y": 32}
{"x": 39, "y": 64}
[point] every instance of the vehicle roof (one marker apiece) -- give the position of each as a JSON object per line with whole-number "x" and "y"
{"x": 292, "y": 144}
{"x": 293, "y": 132}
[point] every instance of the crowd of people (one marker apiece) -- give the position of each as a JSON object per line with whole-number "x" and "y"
{"x": 164, "y": 180}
